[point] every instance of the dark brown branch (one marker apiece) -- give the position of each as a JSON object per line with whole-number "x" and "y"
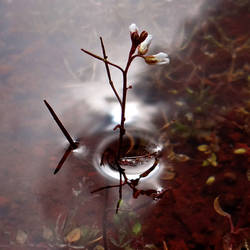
{"x": 106, "y": 187}
{"x": 118, "y": 204}
{"x": 123, "y": 104}
{"x": 108, "y": 72}
{"x": 60, "y": 125}
{"x": 102, "y": 59}
{"x": 64, "y": 158}
{"x": 120, "y": 192}
{"x": 147, "y": 172}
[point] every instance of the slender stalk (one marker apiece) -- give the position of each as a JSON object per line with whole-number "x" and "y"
{"x": 120, "y": 191}
{"x": 101, "y": 59}
{"x": 64, "y": 158}
{"x": 106, "y": 187}
{"x": 122, "y": 129}
{"x": 123, "y": 105}
{"x": 60, "y": 125}
{"x": 108, "y": 72}
{"x": 122, "y": 123}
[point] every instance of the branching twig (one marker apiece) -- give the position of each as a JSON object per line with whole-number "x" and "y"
{"x": 102, "y": 59}
{"x": 108, "y": 72}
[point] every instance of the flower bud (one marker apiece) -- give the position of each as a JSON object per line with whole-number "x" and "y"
{"x": 134, "y": 35}
{"x": 143, "y": 36}
{"x": 160, "y": 58}
{"x": 143, "y": 47}
{"x": 133, "y": 28}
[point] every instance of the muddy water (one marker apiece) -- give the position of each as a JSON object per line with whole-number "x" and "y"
{"x": 204, "y": 92}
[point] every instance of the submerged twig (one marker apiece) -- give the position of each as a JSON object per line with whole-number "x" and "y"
{"x": 63, "y": 159}
{"x": 106, "y": 187}
{"x": 60, "y": 125}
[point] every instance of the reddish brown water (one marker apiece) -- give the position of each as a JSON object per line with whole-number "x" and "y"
{"x": 204, "y": 93}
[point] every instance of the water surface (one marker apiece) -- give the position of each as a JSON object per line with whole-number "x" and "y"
{"x": 204, "y": 91}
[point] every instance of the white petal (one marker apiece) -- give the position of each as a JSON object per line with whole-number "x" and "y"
{"x": 161, "y": 56}
{"x": 133, "y": 28}
{"x": 143, "y": 47}
{"x": 165, "y": 61}
{"x": 148, "y": 40}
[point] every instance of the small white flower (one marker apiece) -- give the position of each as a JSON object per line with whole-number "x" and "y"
{"x": 133, "y": 28}
{"x": 160, "y": 58}
{"x": 143, "y": 47}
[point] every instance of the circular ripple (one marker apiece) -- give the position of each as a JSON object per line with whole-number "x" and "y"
{"x": 139, "y": 153}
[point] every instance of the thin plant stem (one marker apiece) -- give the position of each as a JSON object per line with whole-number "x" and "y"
{"x": 120, "y": 192}
{"x": 106, "y": 187}
{"x": 60, "y": 125}
{"x": 123, "y": 105}
{"x": 123, "y": 108}
{"x": 101, "y": 59}
{"x": 108, "y": 72}
{"x": 232, "y": 229}
{"x": 64, "y": 158}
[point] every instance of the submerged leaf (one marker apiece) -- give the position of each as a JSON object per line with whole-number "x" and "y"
{"x": 89, "y": 233}
{"x": 173, "y": 91}
{"x": 150, "y": 247}
{"x": 168, "y": 174}
{"x": 205, "y": 163}
{"x": 116, "y": 219}
{"x": 218, "y": 208}
{"x": 212, "y": 160}
{"x": 21, "y": 237}
{"x": 165, "y": 247}
{"x": 210, "y": 180}
{"x": 94, "y": 241}
{"x": 203, "y": 148}
{"x": 99, "y": 247}
{"x": 189, "y": 90}
{"x": 136, "y": 228}
{"x": 122, "y": 242}
{"x": 47, "y": 233}
{"x": 240, "y": 151}
{"x": 181, "y": 157}
{"x": 73, "y": 235}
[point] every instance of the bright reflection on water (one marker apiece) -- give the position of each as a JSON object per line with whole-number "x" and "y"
{"x": 135, "y": 165}
{"x": 40, "y": 59}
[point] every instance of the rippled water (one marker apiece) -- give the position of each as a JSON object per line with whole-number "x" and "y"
{"x": 200, "y": 98}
